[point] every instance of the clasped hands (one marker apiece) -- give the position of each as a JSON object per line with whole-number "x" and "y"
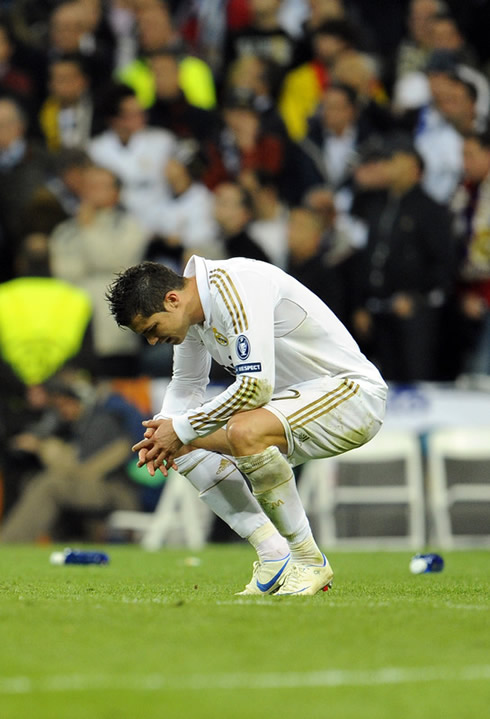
{"x": 159, "y": 447}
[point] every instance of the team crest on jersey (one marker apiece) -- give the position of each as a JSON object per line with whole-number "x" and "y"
{"x": 243, "y": 347}
{"x": 220, "y": 339}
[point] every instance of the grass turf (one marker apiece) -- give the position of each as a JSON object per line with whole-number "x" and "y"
{"x": 150, "y": 636}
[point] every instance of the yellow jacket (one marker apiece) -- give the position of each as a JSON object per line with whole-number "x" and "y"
{"x": 195, "y": 77}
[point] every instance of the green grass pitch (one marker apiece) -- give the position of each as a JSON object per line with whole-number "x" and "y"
{"x": 149, "y": 636}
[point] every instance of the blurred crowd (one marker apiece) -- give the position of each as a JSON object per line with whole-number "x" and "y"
{"x": 344, "y": 141}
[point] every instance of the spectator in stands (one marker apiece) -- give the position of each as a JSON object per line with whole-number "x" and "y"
{"x": 321, "y": 11}
{"x": 242, "y": 144}
{"x": 171, "y": 109}
{"x": 414, "y": 50}
{"x": 32, "y": 257}
{"x": 308, "y": 258}
{"x": 67, "y": 116}
{"x": 33, "y": 24}
{"x": 472, "y": 207}
{"x": 156, "y": 32}
{"x": 460, "y": 105}
{"x": 24, "y": 166}
{"x": 84, "y": 472}
{"x": 263, "y": 36}
{"x": 371, "y": 170}
{"x": 29, "y": 20}
{"x": 261, "y": 78}
{"x": 247, "y": 141}
{"x": 58, "y": 198}
{"x": 233, "y": 210}
{"x": 360, "y": 71}
{"x": 402, "y": 278}
{"x": 335, "y": 134}
{"x": 437, "y": 140}
{"x": 343, "y": 233}
{"x": 186, "y": 221}
{"x": 304, "y": 86}
{"x": 203, "y": 26}
{"x": 70, "y": 34}
{"x": 22, "y": 409}
{"x": 136, "y": 153}
{"x": 417, "y": 89}
{"x": 447, "y": 35}
{"x": 317, "y": 13}
{"x": 99, "y": 30}
{"x": 15, "y": 81}
{"x": 120, "y": 16}
{"x": 269, "y": 226}
{"x": 88, "y": 250}
{"x": 371, "y": 177}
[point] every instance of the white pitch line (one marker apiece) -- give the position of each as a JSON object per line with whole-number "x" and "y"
{"x": 342, "y": 603}
{"x": 329, "y": 678}
{"x": 271, "y": 601}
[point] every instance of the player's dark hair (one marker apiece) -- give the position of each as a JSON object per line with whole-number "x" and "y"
{"x": 141, "y": 290}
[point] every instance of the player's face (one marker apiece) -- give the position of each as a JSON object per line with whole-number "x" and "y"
{"x": 168, "y": 326}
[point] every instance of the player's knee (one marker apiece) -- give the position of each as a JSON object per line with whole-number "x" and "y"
{"x": 242, "y": 435}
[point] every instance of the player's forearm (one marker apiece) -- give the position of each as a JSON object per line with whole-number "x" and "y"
{"x": 245, "y": 393}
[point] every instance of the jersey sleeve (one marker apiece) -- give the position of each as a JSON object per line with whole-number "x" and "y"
{"x": 190, "y": 377}
{"x": 245, "y": 313}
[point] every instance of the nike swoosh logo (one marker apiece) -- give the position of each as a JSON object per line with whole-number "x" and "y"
{"x": 271, "y": 582}
{"x": 294, "y": 394}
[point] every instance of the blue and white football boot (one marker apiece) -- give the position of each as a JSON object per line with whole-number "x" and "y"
{"x": 306, "y": 579}
{"x": 268, "y": 576}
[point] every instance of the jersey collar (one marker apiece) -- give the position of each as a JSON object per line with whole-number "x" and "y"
{"x": 196, "y": 267}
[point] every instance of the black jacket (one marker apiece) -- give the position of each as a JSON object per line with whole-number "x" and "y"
{"x": 410, "y": 247}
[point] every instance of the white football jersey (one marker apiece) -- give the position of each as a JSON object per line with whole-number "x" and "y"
{"x": 269, "y": 330}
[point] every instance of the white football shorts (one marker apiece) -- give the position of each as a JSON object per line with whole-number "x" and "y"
{"x": 327, "y": 416}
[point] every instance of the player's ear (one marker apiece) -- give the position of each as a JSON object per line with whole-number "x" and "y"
{"x": 171, "y": 301}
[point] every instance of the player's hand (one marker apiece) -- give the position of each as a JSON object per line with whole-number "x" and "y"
{"x": 159, "y": 448}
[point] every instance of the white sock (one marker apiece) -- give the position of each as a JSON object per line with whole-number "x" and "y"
{"x": 274, "y": 486}
{"x": 268, "y": 543}
{"x": 224, "y": 490}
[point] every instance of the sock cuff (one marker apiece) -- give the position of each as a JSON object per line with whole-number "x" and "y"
{"x": 250, "y": 463}
{"x": 261, "y": 533}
